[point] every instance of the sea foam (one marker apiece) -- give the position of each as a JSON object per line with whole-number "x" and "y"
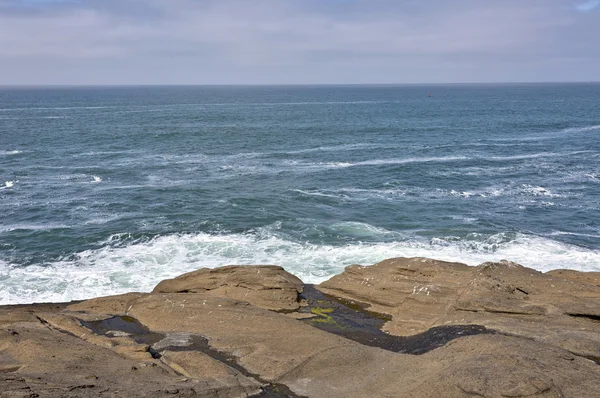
{"x": 119, "y": 267}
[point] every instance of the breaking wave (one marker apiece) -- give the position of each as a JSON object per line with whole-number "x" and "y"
{"x": 120, "y": 267}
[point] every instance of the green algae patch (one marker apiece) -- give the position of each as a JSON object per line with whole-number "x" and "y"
{"x": 321, "y": 311}
{"x": 324, "y": 316}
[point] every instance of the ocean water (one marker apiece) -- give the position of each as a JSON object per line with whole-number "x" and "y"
{"x": 110, "y": 190}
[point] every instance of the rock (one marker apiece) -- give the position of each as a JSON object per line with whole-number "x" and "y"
{"x": 113, "y": 305}
{"x": 57, "y": 364}
{"x": 589, "y": 278}
{"x": 484, "y": 365}
{"x": 262, "y": 341}
{"x": 471, "y": 366}
{"x": 208, "y": 343}
{"x": 422, "y": 293}
{"x": 264, "y": 286}
{"x": 196, "y": 365}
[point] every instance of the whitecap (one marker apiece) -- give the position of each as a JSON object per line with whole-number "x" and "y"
{"x": 139, "y": 266}
{"x": 381, "y": 162}
{"x": 582, "y": 129}
{"x": 336, "y": 148}
{"x": 315, "y": 193}
{"x": 14, "y": 152}
{"x": 31, "y": 227}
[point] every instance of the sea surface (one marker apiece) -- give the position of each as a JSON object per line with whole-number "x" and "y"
{"x": 110, "y": 190}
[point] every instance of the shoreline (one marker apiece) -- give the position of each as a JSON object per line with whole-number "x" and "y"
{"x": 495, "y": 329}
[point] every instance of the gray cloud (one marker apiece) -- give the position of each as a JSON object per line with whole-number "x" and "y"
{"x": 295, "y": 41}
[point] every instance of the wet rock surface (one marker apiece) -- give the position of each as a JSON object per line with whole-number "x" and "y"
{"x": 354, "y": 322}
{"x": 497, "y": 330}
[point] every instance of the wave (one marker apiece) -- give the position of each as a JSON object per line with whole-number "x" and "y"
{"x": 563, "y": 233}
{"x": 440, "y": 159}
{"x": 207, "y": 104}
{"x": 381, "y": 162}
{"x": 7, "y": 184}
{"x": 333, "y": 148}
{"x": 520, "y": 190}
{"x": 550, "y": 135}
{"x": 516, "y": 191}
{"x": 581, "y": 129}
{"x": 55, "y": 108}
{"x": 531, "y": 156}
{"x": 120, "y": 267}
{"x": 14, "y": 152}
{"x": 32, "y": 227}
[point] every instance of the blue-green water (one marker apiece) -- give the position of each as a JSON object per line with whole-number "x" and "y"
{"x": 107, "y": 190}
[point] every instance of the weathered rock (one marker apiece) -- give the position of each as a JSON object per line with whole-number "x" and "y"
{"x": 206, "y": 343}
{"x": 196, "y": 365}
{"x": 470, "y": 367}
{"x": 55, "y": 364}
{"x": 486, "y": 366}
{"x": 264, "y": 342}
{"x": 113, "y": 305}
{"x": 589, "y": 278}
{"x": 265, "y": 286}
{"x": 422, "y": 293}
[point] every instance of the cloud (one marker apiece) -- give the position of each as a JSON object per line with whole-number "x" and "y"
{"x": 237, "y": 41}
{"x": 590, "y": 5}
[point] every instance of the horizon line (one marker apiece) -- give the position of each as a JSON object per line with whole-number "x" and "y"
{"x": 289, "y": 84}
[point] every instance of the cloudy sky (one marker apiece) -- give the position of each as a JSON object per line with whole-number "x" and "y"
{"x": 297, "y": 41}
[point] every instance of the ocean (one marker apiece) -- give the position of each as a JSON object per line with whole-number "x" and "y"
{"x": 110, "y": 190}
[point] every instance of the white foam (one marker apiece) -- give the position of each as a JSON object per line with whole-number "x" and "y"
{"x": 537, "y": 191}
{"x": 560, "y": 233}
{"x": 32, "y": 227}
{"x": 582, "y": 129}
{"x": 316, "y": 193}
{"x": 537, "y": 155}
{"x": 8, "y": 184}
{"x": 336, "y": 148}
{"x": 522, "y": 157}
{"x": 54, "y": 108}
{"x": 356, "y": 194}
{"x": 140, "y": 266}
{"x": 382, "y": 162}
{"x": 5, "y": 153}
{"x": 96, "y": 179}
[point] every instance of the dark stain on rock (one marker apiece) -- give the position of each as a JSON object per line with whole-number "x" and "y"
{"x": 353, "y": 321}
{"x": 124, "y": 325}
{"x": 120, "y": 325}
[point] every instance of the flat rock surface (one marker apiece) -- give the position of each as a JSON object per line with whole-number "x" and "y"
{"x": 206, "y": 343}
{"x": 588, "y": 278}
{"x": 422, "y": 293}
{"x": 266, "y": 286}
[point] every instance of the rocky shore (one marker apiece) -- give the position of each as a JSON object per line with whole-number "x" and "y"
{"x": 405, "y": 327}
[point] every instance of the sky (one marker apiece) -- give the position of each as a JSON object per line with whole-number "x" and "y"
{"x": 97, "y": 42}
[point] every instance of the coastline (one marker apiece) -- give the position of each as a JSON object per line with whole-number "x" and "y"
{"x": 498, "y": 329}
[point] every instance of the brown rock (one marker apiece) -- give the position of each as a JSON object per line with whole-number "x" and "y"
{"x": 264, "y": 342}
{"x": 264, "y": 286}
{"x": 589, "y": 278}
{"x": 56, "y": 364}
{"x": 113, "y": 305}
{"x": 196, "y": 365}
{"x": 484, "y": 365}
{"x": 422, "y": 293}
{"x": 216, "y": 346}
